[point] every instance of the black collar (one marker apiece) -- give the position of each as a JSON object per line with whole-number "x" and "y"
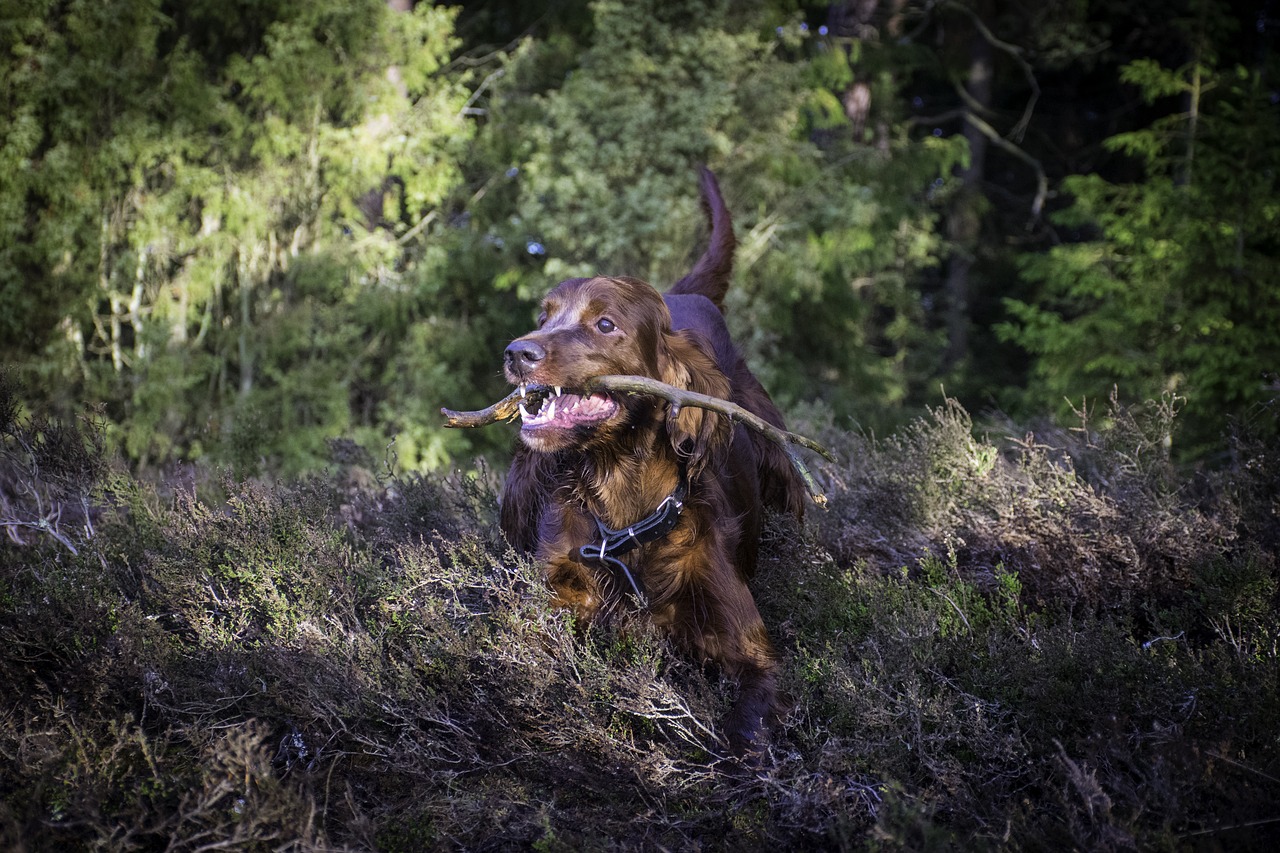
{"x": 613, "y": 543}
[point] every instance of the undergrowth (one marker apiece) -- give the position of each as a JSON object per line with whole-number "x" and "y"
{"x": 1044, "y": 641}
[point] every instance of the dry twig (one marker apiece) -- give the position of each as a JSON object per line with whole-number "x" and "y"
{"x": 508, "y": 409}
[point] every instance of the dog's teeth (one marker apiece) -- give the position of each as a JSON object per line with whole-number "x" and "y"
{"x": 524, "y": 413}
{"x": 548, "y": 411}
{"x": 558, "y": 391}
{"x": 524, "y": 390}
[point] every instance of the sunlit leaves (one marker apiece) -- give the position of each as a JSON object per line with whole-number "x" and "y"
{"x": 608, "y": 162}
{"x": 165, "y": 169}
{"x": 1176, "y": 292}
{"x": 1153, "y": 79}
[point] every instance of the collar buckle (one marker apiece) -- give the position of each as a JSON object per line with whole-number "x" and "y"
{"x": 613, "y": 543}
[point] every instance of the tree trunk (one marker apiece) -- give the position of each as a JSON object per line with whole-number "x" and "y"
{"x": 964, "y": 224}
{"x": 245, "y": 275}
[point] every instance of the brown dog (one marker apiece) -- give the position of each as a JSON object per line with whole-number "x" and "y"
{"x": 619, "y": 497}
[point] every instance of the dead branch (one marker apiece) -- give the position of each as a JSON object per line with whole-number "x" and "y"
{"x": 678, "y": 397}
{"x": 1017, "y": 54}
{"x": 1042, "y": 180}
{"x": 508, "y": 409}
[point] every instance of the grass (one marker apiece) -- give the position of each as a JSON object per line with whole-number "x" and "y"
{"x": 1051, "y": 640}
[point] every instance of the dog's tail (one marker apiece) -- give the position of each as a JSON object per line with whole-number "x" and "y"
{"x": 710, "y": 275}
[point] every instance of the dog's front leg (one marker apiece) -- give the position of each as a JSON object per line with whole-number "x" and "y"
{"x": 711, "y": 611}
{"x": 747, "y": 654}
{"x": 574, "y": 587}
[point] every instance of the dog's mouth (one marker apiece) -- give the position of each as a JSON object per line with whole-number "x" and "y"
{"x": 543, "y": 407}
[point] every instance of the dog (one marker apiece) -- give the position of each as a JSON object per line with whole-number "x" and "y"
{"x": 620, "y": 496}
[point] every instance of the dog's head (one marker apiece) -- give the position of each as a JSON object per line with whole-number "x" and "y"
{"x": 600, "y": 326}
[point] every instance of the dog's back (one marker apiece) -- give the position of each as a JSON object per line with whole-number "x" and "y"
{"x": 696, "y": 303}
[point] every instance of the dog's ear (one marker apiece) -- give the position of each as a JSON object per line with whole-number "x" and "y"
{"x": 696, "y": 434}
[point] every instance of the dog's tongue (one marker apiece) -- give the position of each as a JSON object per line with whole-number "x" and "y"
{"x": 567, "y": 410}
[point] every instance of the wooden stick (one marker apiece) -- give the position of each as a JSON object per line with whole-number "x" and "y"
{"x": 679, "y": 397}
{"x": 506, "y": 409}
{"x": 509, "y": 408}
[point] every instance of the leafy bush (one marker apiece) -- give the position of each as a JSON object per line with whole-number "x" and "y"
{"x": 1166, "y": 291}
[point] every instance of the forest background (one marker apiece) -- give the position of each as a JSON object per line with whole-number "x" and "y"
{"x": 243, "y": 230}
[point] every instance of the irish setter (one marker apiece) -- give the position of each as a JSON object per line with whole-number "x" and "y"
{"x": 621, "y": 497}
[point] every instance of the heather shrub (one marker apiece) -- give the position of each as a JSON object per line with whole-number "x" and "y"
{"x": 1005, "y": 643}
{"x": 1093, "y": 538}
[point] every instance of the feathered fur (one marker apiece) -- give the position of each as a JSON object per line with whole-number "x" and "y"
{"x": 619, "y": 468}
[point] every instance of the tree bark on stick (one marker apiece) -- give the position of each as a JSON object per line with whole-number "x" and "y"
{"x": 508, "y": 409}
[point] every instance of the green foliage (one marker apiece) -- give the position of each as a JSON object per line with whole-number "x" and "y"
{"x": 249, "y": 229}
{"x": 830, "y": 304}
{"x": 607, "y": 159}
{"x": 224, "y": 199}
{"x": 1173, "y": 293}
{"x": 602, "y": 151}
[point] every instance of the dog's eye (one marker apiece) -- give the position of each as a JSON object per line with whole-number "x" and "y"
{"x": 605, "y": 325}
{"x": 542, "y": 319}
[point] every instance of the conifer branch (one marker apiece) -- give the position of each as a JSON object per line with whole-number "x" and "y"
{"x": 1042, "y": 180}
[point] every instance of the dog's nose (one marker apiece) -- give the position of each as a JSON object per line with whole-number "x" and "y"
{"x": 522, "y": 356}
